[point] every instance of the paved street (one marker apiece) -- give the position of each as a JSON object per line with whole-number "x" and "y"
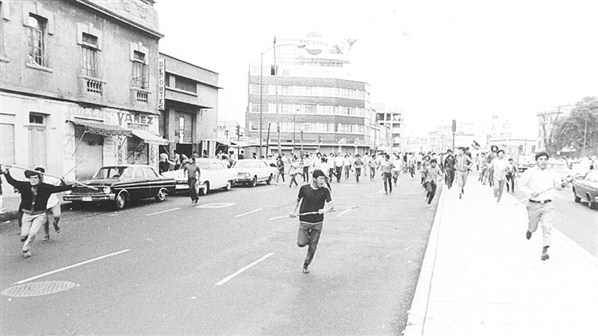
{"x": 222, "y": 267}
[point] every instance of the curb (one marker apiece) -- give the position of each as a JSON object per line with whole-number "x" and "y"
{"x": 419, "y": 306}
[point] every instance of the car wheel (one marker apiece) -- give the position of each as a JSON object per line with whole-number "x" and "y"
{"x": 229, "y": 186}
{"x": 120, "y": 201}
{"x": 592, "y": 205}
{"x": 269, "y": 180}
{"x": 253, "y": 182}
{"x": 204, "y": 189}
{"x": 161, "y": 196}
{"x": 576, "y": 198}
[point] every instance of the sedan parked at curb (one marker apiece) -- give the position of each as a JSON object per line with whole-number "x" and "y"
{"x": 214, "y": 175}
{"x": 251, "y": 172}
{"x": 585, "y": 189}
{"x": 121, "y": 184}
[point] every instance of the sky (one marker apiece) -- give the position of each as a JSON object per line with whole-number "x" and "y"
{"x": 434, "y": 60}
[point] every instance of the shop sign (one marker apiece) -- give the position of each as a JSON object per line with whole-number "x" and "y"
{"x": 161, "y": 84}
{"x": 137, "y": 118}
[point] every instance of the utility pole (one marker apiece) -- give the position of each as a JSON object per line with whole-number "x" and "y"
{"x": 454, "y": 128}
{"x": 276, "y": 95}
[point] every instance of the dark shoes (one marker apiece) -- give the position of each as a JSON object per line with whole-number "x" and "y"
{"x": 56, "y": 228}
{"x": 528, "y": 235}
{"x": 305, "y": 268}
{"x": 23, "y": 238}
{"x": 46, "y": 237}
{"x": 545, "y": 256}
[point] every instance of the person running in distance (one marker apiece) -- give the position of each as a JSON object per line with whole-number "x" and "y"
{"x": 500, "y": 166}
{"x": 463, "y": 166}
{"x": 433, "y": 175}
{"x": 313, "y": 201}
{"x": 539, "y": 182}
{"x": 193, "y": 175}
{"x": 449, "y": 168}
{"x": 358, "y": 164}
{"x": 387, "y": 167}
{"x": 511, "y": 174}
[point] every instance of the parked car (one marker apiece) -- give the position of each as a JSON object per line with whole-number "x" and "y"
{"x": 252, "y": 171}
{"x": 585, "y": 188}
{"x": 214, "y": 175}
{"x": 121, "y": 184}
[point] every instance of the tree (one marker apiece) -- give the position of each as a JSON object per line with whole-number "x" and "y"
{"x": 578, "y": 129}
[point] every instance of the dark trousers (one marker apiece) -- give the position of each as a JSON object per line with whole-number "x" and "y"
{"x": 357, "y": 173}
{"x": 431, "y": 188}
{"x": 511, "y": 182}
{"x": 387, "y": 182}
{"x": 449, "y": 178}
{"x": 193, "y": 189}
{"x": 293, "y": 180}
{"x": 306, "y": 174}
{"x": 372, "y": 172}
{"x": 309, "y": 234}
{"x": 338, "y": 172}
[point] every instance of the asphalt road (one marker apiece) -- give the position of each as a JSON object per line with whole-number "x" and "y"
{"x": 575, "y": 220}
{"x": 221, "y": 267}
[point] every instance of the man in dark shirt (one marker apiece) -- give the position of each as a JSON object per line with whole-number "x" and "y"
{"x": 315, "y": 200}
{"x": 193, "y": 175}
{"x": 449, "y": 168}
{"x": 34, "y": 200}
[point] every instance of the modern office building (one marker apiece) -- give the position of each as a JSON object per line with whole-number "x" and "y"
{"x": 78, "y": 84}
{"x": 311, "y": 94}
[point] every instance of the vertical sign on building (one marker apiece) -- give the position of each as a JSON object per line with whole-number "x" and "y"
{"x": 161, "y": 84}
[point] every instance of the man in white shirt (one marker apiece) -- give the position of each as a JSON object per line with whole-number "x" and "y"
{"x": 539, "y": 182}
{"x": 500, "y": 166}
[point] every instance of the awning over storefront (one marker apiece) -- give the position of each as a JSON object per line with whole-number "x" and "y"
{"x": 149, "y": 137}
{"x": 101, "y": 129}
{"x": 240, "y": 144}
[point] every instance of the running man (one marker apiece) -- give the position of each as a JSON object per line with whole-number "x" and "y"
{"x": 449, "y": 168}
{"x": 463, "y": 166}
{"x": 433, "y": 175}
{"x": 500, "y": 166}
{"x": 34, "y": 197}
{"x": 358, "y": 164}
{"x": 52, "y": 208}
{"x": 539, "y": 182}
{"x": 193, "y": 175}
{"x": 313, "y": 201}
{"x": 387, "y": 167}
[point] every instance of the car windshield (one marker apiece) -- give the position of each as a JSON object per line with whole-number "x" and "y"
{"x": 245, "y": 164}
{"x": 114, "y": 172}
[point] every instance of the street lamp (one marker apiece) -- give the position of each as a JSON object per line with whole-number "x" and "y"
{"x": 276, "y": 89}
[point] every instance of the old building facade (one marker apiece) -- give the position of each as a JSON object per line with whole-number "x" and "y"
{"x": 79, "y": 84}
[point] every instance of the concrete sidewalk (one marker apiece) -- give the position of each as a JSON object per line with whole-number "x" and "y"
{"x": 480, "y": 276}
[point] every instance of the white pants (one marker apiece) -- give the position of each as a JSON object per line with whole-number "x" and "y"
{"x": 29, "y": 227}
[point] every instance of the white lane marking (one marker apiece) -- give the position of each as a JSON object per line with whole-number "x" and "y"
{"x": 228, "y": 278}
{"x": 214, "y": 205}
{"x": 247, "y": 213}
{"x": 407, "y": 249}
{"x": 263, "y": 190}
{"x": 72, "y": 266}
{"x": 342, "y": 213}
{"x": 386, "y": 256}
{"x": 161, "y": 212}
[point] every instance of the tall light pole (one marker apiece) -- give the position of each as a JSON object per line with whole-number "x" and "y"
{"x": 276, "y": 88}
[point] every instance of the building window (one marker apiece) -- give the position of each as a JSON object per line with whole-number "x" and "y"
{"x": 139, "y": 70}
{"x": 89, "y": 48}
{"x": 181, "y": 129}
{"x": 36, "y": 40}
{"x": 35, "y": 118}
{"x": 185, "y": 84}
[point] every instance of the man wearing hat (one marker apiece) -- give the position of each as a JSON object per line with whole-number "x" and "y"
{"x": 34, "y": 200}
{"x": 53, "y": 207}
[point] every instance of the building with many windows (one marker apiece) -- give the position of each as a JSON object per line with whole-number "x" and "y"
{"x": 392, "y": 120}
{"x": 311, "y": 96}
{"x": 79, "y": 84}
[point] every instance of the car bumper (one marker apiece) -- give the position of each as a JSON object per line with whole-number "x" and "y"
{"x": 89, "y": 198}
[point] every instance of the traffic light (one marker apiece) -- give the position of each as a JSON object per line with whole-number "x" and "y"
{"x": 238, "y": 130}
{"x": 273, "y": 70}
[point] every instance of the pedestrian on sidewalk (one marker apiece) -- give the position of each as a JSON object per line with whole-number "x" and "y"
{"x": 52, "y": 209}
{"x": 500, "y": 165}
{"x": 34, "y": 196}
{"x": 193, "y": 176}
{"x": 464, "y": 164}
{"x": 449, "y": 168}
{"x": 539, "y": 182}
{"x": 433, "y": 175}
{"x": 313, "y": 201}
{"x": 387, "y": 167}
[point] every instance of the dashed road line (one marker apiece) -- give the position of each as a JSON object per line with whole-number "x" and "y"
{"x": 161, "y": 212}
{"x": 72, "y": 266}
{"x": 249, "y": 212}
{"x": 230, "y": 277}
